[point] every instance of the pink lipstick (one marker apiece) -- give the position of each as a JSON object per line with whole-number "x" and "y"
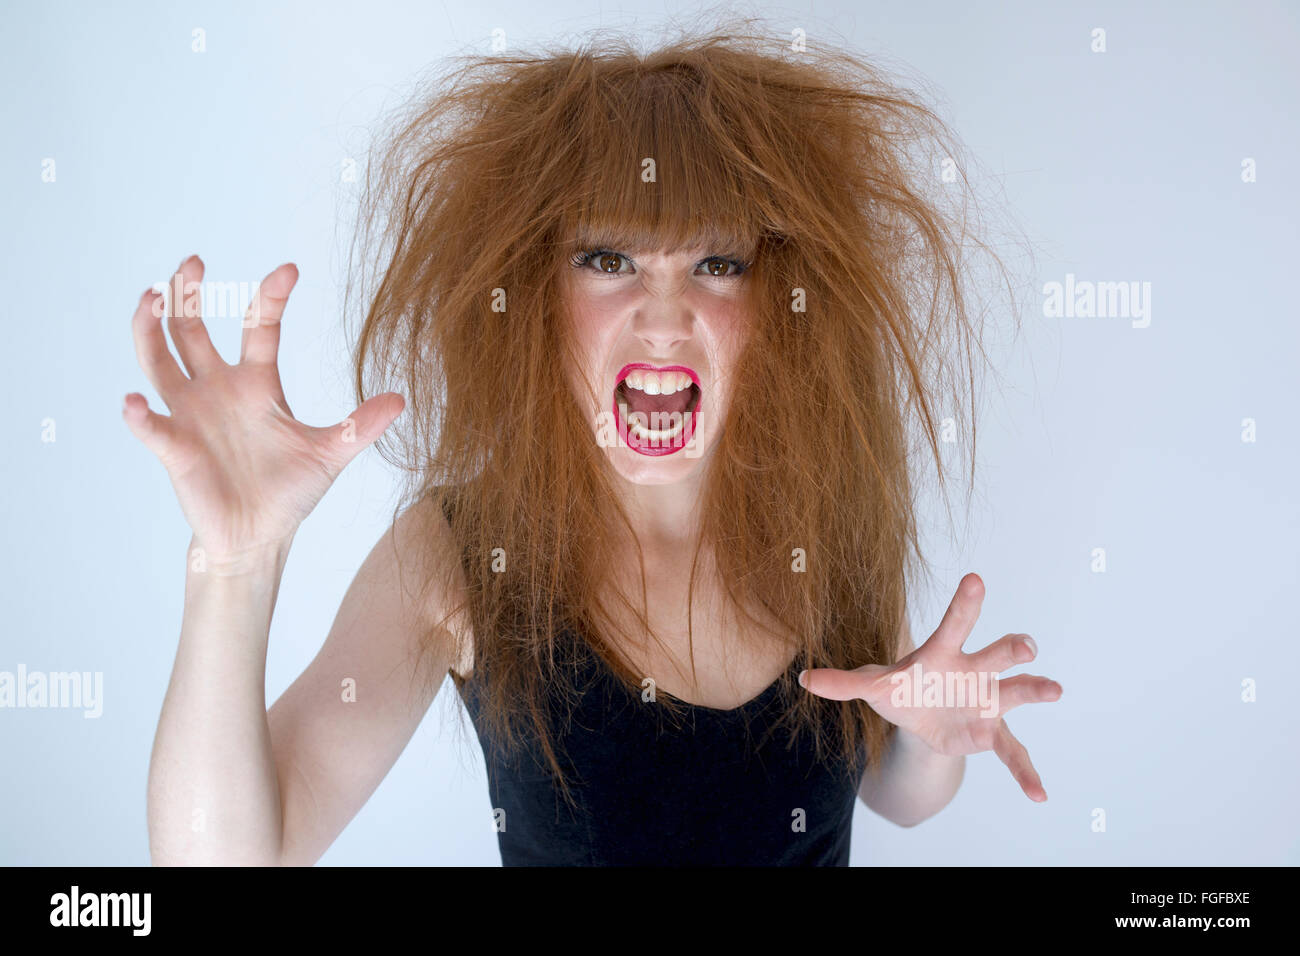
{"x": 656, "y": 407}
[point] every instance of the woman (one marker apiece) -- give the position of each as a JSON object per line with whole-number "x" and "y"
{"x": 663, "y": 326}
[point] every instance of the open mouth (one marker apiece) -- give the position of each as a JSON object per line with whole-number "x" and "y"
{"x": 656, "y": 407}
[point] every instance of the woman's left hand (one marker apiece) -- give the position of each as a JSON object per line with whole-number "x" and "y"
{"x": 952, "y": 700}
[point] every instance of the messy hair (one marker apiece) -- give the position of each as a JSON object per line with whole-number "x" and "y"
{"x": 850, "y": 199}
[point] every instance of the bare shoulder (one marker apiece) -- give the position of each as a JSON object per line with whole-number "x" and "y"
{"x": 423, "y": 558}
{"x": 905, "y": 643}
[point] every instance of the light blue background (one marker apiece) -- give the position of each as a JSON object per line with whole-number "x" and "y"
{"x": 1123, "y": 165}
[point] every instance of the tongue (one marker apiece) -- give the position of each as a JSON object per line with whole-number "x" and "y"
{"x": 639, "y": 401}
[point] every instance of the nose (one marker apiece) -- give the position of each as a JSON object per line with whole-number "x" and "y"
{"x": 663, "y": 324}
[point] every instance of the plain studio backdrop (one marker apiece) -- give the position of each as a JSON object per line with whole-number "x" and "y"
{"x": 1162, "y": 442}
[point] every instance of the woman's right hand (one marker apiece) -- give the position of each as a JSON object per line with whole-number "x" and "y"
{"x": 245, "y": 471}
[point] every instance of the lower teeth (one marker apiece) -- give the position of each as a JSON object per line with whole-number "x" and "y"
{"x": 644, "y": 433}
{"x": 656, "y": 434}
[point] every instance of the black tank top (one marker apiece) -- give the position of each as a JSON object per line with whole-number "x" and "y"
{"x": 715, "y": 787}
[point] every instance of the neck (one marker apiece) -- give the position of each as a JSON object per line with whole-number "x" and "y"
{"x": 663, "y": 515}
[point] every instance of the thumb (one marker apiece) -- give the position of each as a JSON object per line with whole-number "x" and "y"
{"x": 347, "y": 439}
{"x": 153, "y": 430}
{"x": 836, "y": 684}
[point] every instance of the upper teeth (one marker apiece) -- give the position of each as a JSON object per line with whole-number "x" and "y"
{"x": 658, "y": 383}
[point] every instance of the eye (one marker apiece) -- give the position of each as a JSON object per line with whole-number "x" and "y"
{"x": 717, "y": 267}
{"x": 605, "y": 261}
{"x": 608, "y": 262}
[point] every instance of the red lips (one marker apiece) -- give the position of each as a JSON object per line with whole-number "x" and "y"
{"x": 650, "y": 446}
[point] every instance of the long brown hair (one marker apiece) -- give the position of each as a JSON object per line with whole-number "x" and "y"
{"x": 814, "y": 165}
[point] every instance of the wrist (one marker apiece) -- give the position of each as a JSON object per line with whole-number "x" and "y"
{"x": 914, "y": 744}
{"x": 266, "y": 557}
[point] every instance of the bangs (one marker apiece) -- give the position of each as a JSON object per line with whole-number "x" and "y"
{"x": 656, "y": 166}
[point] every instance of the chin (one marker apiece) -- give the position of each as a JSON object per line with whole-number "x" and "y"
{"x": 666, "y": 469}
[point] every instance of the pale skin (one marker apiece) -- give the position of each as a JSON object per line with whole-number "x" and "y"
{"x": 232, "y": 782}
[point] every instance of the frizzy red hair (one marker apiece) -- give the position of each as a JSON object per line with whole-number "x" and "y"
{"x": 810, "y": 163}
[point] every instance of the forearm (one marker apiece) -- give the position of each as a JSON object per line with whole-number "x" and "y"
{"x": 914, "y": 782}
{"x": 213, "y": 794}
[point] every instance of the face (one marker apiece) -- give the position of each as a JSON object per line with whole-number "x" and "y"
{"x": 656, "y": 337}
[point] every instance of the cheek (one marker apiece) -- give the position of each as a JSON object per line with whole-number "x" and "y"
{"x": 728, "y": 334}
{"x": 585, "y": 347}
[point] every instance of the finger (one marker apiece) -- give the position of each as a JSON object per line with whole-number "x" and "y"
{"x": 344, "y": 441}
{"x": 1026, "y": 689}
{"x": 1005, "y": 653}
{"x": 959, "y": 619}
{"x": 186, "y": 323}
{"x": 1013, "y": 753}
{"x": 834, "y": 684}
{"x": 153, "y": 430}
{"x": 151, "y": 351}
{"x": 260, "y": 342}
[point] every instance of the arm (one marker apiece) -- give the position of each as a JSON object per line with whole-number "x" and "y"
{"x": 914, "y": 782}
{"x": 212, "y": 795}
{"x": 229, "y": 782}
{"x": 332, "y": 755}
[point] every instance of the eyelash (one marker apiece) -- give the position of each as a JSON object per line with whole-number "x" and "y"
{"x": 582, "y": 258}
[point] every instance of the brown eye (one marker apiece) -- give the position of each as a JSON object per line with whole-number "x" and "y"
{"x": 600, "y": 260}
{"x": 718, "y": 266}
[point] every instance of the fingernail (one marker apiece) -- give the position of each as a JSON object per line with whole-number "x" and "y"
{"x": 801, "y": 680}
{"x": 1032, "y": 646}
